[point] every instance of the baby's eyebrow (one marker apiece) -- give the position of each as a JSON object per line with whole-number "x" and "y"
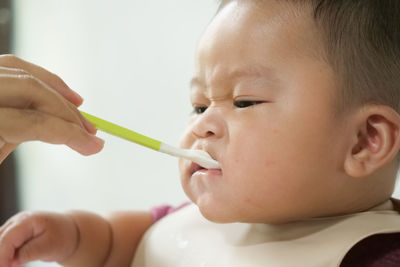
{"x": 235, "y": 74}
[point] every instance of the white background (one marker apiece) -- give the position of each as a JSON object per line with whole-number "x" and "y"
{"x": 132, "y": 62}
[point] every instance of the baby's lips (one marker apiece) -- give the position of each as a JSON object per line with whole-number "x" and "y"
{"x": 194, "y": 167}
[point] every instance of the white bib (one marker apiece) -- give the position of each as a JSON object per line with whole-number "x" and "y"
{"x": 186, "y": 239}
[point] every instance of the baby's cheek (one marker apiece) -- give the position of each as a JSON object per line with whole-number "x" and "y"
{"x": 184, "y": 167}
{"x": 187, "y": 139}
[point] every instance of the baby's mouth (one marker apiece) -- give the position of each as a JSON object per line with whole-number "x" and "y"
{"x": 194, "y": 168}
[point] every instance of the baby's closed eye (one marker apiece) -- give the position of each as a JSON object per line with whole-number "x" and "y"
{"x": 246, "y": 103}
{"x": 199, "y": 109}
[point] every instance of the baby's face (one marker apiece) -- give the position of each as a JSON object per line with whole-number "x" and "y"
{"x": 264, "y": 108}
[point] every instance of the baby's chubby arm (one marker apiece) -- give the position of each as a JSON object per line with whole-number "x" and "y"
{"x": 77, "y": 238}
{"x": 36, "y": 104}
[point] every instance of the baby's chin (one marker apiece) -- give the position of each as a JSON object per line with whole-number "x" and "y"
{"x": 222, "y": 214}
{"x": 226, "y": 215}
{"x": 212, "y": 210}
{"x": 231, "y": 218}
{"x": 217, "y": 217}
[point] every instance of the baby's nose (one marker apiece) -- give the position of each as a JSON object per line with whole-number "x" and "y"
{"x": 209, "y": 124}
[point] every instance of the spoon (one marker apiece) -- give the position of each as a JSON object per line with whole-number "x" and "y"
{"x": 198, "y": 156}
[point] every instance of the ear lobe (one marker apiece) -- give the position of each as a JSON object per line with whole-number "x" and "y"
{"x": 377, "y": 142}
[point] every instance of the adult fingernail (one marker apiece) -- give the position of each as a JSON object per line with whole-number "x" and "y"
{"x": 98, "y": 140}
{"x": 95, "y": 146}
{"x": 79, "y": 99}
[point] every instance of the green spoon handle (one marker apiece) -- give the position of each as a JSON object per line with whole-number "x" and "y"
{"x": 122, "y": 132}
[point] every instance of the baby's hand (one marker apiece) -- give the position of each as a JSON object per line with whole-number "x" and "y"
{"x": 30, "y": 236}
{"x": 37, "y": 105}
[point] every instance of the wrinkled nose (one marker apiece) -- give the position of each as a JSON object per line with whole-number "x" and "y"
{"x": 209, "y": 124}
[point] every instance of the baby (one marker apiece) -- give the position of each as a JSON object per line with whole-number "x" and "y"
{"x": 298, "y": 101}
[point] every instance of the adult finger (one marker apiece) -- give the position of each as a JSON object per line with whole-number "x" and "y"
{"x": 26, "y": 91}
{"x": 6, "y": 150}
{"x": 36, "y": 125}
{"x": 20, "y": 73}
{"x": 51, "y": 79}
{"x": 5, "y": 70}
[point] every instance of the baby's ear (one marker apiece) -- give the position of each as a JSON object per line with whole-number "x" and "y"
{"x": 376, "y": 140}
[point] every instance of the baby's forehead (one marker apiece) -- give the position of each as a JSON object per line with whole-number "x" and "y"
{"x": 245, "y": 75}
{"x": 243, "y": 23}
{"x": 239, "y": 34}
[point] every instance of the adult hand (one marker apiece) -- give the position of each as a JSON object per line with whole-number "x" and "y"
{"x": 36, "y": 104}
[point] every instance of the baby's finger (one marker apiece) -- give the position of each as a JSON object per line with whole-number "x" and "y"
{"x": 36, "y": 125}
{"x": 11, "y": 239}
{"x": 33, "y": 250}
{"x": 52, "y": 80}
{"x": 43, "y": 248}
{"x": 6, "y": 254}
{"x": 5, "y": 226}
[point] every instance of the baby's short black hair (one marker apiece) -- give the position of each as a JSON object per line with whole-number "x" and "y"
{"x": 362, "y": 44}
